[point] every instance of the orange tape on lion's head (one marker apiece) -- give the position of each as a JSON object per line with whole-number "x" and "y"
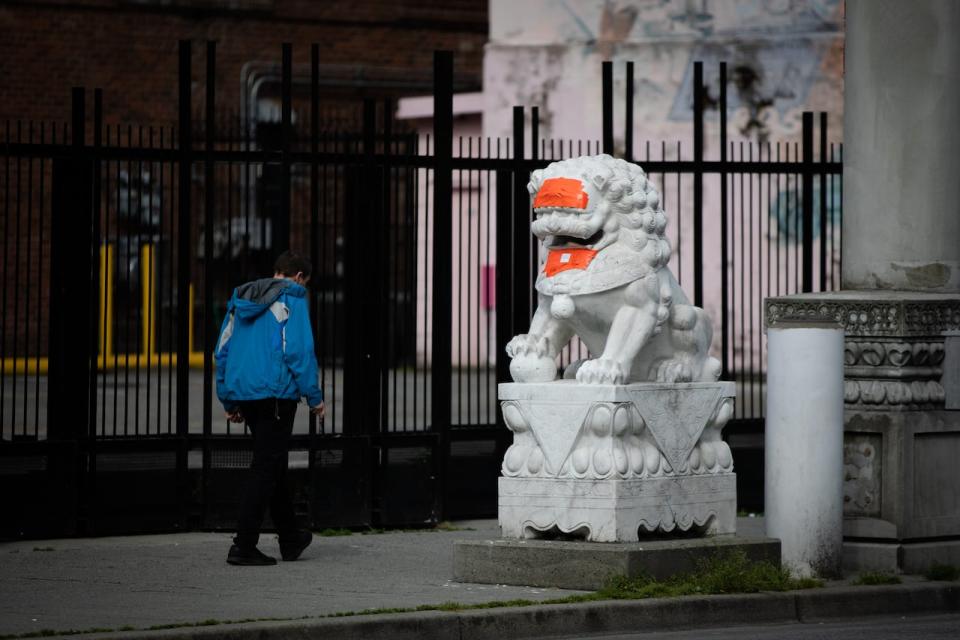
{"x": 567, "y": 193}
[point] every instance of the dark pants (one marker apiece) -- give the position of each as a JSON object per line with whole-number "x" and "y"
{"x": 271, "y": 423}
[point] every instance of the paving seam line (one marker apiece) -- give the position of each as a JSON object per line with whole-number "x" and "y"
{"x": 606, "y": 616}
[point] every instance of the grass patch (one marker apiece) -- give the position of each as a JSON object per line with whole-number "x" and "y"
{"x": 332, "y": 533}
{"x": 939, "y": 571}
{"x": 876, "y": 577}
{"x": 374, "y": 531}
{"x": 449, "y": 526}
{"x": 723, "y": 573}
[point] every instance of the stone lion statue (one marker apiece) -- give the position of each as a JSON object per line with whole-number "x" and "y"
{"x": 605, "y": 280}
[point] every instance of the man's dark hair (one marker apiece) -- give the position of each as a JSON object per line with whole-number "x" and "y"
{"x": 290, "y": 263}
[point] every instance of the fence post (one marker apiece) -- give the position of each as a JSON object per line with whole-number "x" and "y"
{"x": 628, "y": 116}
{"x": 209, "y": 322}
{"x": 441, "y": 352}
{"x": 504, "y": 276}
{"x": 806, "y": 198}
{"x": 372, "y": 304}
{"x": 184, "y": 311}
{"x": 521, "y": 230}
{"x": 532, "y": 239}
{"x": 70, "y": 281}
{"x": 607, "y": 72}
{"x": 286, "y": 133}
{"x": 318, "y": 267}
{"x": 724, "y": 229}
{"x": 362, "y": 291}
{"x": 823, "y": 201}
{"x": 71, "y": 278}
{"x": 95, "y": 265}
{"x": 353, "y": 356}
{"x": 697, "y": 184}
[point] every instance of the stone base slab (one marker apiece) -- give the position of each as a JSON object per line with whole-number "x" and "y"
{"x": 614, "y": 510}
{"x": 916, "y": 557}
{"x": 588, "y": 566}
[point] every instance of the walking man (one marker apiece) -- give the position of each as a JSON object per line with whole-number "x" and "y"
{"x": 265, "y": 364}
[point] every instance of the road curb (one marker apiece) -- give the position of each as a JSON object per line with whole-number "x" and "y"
{"x": 610, "y": 616}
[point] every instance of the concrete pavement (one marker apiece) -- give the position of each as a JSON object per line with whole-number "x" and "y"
{"x": 129, "y": 584}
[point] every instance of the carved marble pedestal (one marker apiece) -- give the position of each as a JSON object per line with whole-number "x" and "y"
{"x": 608, "y": 462}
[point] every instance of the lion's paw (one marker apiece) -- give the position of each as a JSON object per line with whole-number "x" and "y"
{"x": 528, "y": 344}
{"x": 601, "y": 371}
{"x": 674, "y": 370}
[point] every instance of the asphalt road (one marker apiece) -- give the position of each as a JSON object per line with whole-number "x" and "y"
{"x": 883, "y": 628}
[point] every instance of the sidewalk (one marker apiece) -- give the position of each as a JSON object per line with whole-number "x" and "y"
{"x": 145, "y": 581}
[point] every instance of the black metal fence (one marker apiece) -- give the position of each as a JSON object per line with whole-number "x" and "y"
{"x": 122, "y": 245}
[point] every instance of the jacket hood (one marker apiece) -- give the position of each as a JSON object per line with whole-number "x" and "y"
{"x": 253, "y": 298}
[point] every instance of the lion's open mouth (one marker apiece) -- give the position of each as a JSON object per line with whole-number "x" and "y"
{"x": 568, "y": 241}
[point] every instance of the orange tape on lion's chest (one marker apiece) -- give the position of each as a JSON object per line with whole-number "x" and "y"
{"x": 559, "y": 260}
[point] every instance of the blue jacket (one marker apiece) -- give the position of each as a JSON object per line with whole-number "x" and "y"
{"x": 265, "y": 348}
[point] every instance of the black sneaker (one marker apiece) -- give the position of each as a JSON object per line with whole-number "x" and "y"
{"x": 292, "y": 548}
{"x": 249, "y": 557}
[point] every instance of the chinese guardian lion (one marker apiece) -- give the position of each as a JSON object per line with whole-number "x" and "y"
{"x": 605, "y": 280}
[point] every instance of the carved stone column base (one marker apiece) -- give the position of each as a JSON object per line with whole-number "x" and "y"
{"x": 901, "y": 432}
{"x": 614, "y": 510}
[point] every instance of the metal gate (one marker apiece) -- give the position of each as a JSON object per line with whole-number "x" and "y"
{"x": 122, "y": 245}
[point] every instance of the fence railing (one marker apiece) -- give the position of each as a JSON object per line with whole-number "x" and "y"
{"x": 121, "y": 249}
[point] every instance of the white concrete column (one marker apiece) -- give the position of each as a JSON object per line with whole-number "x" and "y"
{"x": 901, "y": 194}
{"x": 804, "y": 447}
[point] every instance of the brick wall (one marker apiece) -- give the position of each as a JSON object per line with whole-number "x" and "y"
{"x": 129, "y": 49}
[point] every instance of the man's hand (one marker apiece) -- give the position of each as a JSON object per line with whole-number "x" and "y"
{"x": 318, "y": 410}
{"x": 234, "y": 416}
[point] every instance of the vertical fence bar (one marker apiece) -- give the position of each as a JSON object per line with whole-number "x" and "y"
{"x": 628, "y": 116}
{"x": 318, "y": 266}
{"x": 724, "y": 229}
{"x": 5, "y": 260}
{"x": 95, "y": 256}
{"x": 286, "y": 133}
{"x": 353, "y": 355}
{"x": 208, "y": 319}
{"x": 607, "y": 70}
{"x": 26, "y": 293}
{"x": 389, "y": 257}
{"x": 441, "y": 352}
{"x": 697, "y": 184}
{"x": 535, "y": 133}
{"x": 374, "y": 300}
{"x": 185, "y": 311}
{"x": 534, "y": 242}
{"x": 823, "y": 201}
{"x": 806, "y": 199}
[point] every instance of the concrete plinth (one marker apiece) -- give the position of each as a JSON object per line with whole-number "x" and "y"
{"x": 617, "y": 510}
{"x": 589, "y": 566}
{"x": 606, "y": 462}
